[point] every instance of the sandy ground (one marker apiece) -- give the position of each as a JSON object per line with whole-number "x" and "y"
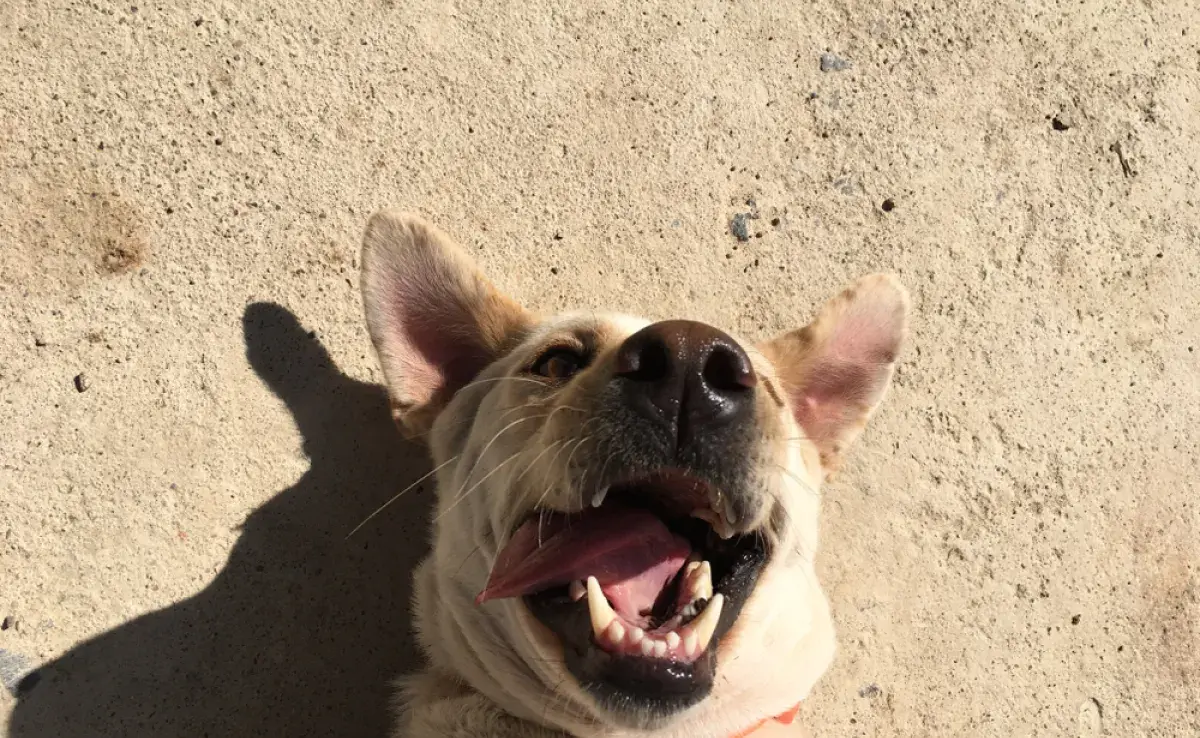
{"x": 1014, "y": 549}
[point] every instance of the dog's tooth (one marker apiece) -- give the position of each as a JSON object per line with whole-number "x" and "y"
{"x": 701, "y": 586}
{"x": 602, "y": 613}
{"x": 673, "y": 640}
{"x": 636, "y": 635}
{"x": 717, "y": 521}
{"x": 616, "y": 632}
{"x": 690, "y": 642}
{"x": 730, "y": 515}
{"x": 691, "y": 567}
{"x": 598, "y": 498}
{"x": 660, "y": 649}
{"x": 706, "y": 624}
{"x": 577, "y": 590}
{"x": 647, "y": 646}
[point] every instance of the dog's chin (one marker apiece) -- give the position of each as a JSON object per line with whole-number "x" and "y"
{"x": 638, "y": 685}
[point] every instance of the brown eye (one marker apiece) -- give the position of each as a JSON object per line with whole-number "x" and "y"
{"x": 559, "y": 364}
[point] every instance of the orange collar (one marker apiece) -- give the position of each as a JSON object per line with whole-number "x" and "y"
{"x": 785, "y": 718}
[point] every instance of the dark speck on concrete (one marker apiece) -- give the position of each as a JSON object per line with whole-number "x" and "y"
{"x": 1075, "y": 620}
{"x": 833, "y": 63}
{"x": 1058, "y": 124}
{"x": 871, "y": 690}
{"x": 888, "y": 205}
{"x": 739, "y": 226}
{"x": 81, "y": 383}
{"x": 554, "y": 270}
{"x": 7, "y": 623}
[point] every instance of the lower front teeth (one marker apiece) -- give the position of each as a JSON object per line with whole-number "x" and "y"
{"x": 685, "y": 642}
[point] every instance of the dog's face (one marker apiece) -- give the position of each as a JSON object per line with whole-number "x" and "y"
{"x": 626, "y": 509}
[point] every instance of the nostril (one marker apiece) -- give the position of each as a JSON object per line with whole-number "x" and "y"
{"x": 728, "y": 370}
{"x": 647, "y": 360}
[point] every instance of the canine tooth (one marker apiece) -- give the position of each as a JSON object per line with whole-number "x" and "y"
{"x": 598, "y": 498}
{"x": 602, "y": 613}
{"x": 577, "y": 590}
{"x": 701, "y": 586}
{"x": 718, "y": 523}
{"x": 647, "y": 646}
{"x": 616, "y": 632}
{"x": 636, "y": 635}
{"x": 673, "y": 640}
{"x": 729, "y": 514}
{"x": 660, "y": 649}
{"x": 691, "y": 567}
{"x": 706, "y": 624}
{"x": 690, "y": 641}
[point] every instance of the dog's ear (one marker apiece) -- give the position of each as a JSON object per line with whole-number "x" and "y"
{"x": 836, "y": 369}
{"x": 434, "y": 319}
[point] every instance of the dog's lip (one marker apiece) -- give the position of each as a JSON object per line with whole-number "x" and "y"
{"x": 681, "y": 494}
{"x": 685, "y": 491}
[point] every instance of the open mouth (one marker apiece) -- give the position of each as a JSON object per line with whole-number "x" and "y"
{"x": 639, "y": 587}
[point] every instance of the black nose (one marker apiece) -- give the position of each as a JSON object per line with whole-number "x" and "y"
{"x": 687, "y": 374}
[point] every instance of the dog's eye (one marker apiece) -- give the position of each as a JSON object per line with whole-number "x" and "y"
{"x": 559, "y": 363}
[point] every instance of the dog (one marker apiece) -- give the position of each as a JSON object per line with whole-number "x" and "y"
{"x": 626, "y": 515}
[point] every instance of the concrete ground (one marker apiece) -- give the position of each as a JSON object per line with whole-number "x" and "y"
{"x": 189, "y": 416}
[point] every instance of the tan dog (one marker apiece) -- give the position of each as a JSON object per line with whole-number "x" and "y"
{"x": 627, "y": 511}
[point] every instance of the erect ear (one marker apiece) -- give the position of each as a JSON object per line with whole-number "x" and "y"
{"x": 836, "y": 369}
{"x": 435, "y": 321}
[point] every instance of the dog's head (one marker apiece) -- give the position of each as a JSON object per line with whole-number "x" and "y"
{"x": 626, "y": 510}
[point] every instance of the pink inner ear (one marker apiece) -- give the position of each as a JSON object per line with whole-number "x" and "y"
{"x": 436, "y": 361}
{"x": 834, "y": 395}
{"x": 868, "y": 333}
{"x": 437, "y": 334}
{"x": 850, "y": 364}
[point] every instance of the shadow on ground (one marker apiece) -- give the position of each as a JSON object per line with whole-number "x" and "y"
{"x": 302, "y": 631}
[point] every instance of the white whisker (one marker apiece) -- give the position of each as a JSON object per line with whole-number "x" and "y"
{"x": 398, "y": 496}
{"x": 482, "y": 479}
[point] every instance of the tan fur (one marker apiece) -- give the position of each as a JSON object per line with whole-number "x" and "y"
{"x": 506, "y": 444}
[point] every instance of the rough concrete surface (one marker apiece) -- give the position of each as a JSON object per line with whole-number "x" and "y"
{"x": 1014, "y": 548}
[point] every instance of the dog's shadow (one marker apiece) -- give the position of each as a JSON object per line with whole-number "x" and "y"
{"x": 302, "y": 631}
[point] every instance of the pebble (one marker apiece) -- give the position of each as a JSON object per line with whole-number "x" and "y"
{"x": 739, "y": 226}
{"x": 833, "y": 63}
{"x": 81, "y": 383}
{"x": 7, "y": 623}
{"x": 870, "y": 690}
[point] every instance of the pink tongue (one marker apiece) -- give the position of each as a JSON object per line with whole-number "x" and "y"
{"x": 632, "y": 554}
